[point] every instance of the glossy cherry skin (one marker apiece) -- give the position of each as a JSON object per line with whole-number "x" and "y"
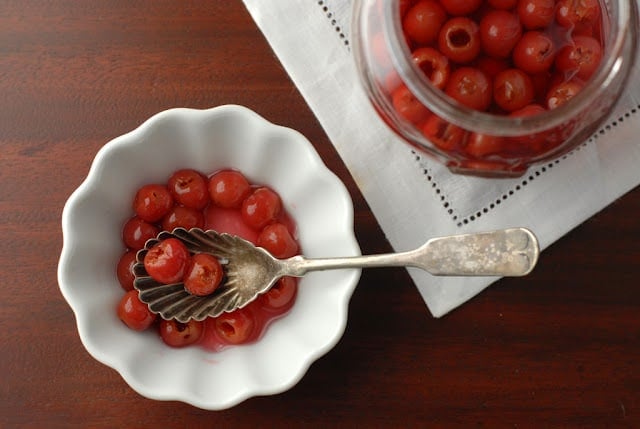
{"x": 281, "y": 295}
{"x": 536, "y": 14}
{"x": 178, "y": 334}
{"x": 136, "y": 232}
{"x": 578, "y": 15}
{"x": 203, "y": 274}
{"x": 580, "y": 58}
{"x": 152, "y": 202}
{"x": 562, "y": 92}
{"x": 461, "y": 7}
{"x": 470, "y": 87}
{"x": 443, "y": 134}
{"x": 236, "y": 327}
{"x": 436, "y": 68}
{"x": 183, "y": 217}
{"x": 278, "y": 241}
{"x": 512, "y": 89}
{"x": 423, "y": 20}
{"x": 482, "y": 145}
{"x": 459, "y": 40}
{"x": 408, "y": 106}
{"x": 135, "y": 313}
{"x": 124, "y": 270}
{"x": 228, "y": 188}
{"x": 500, "y": 30}
{"x": 261, "y": 208}
{"x": 166, "y": 261}
{"x": 534, "y": 53}
{"x": 189, "y": 188}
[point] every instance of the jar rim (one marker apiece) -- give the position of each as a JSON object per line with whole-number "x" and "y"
{"x": 623, "y": 27}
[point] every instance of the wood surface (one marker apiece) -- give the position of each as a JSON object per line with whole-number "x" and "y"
{"x": 560, "y": 348}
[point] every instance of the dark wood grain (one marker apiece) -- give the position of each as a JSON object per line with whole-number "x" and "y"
{"x": 560, "y": 348}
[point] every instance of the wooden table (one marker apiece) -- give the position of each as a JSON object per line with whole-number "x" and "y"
{"x": 558, "y": 348}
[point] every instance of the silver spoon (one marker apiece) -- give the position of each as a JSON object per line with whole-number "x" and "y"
{"x": 251, "y": 270}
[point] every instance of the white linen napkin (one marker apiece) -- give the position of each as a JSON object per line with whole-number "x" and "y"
{"x": 414, "y": 198}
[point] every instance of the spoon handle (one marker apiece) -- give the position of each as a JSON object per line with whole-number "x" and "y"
{"x": 508, "y": 252}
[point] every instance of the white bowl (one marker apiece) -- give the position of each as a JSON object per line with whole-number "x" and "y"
{"x": 207, "y": 140}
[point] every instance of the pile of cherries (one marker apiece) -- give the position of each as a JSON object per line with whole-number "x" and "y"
{"x": 505, "y": 57}
{"x": 227, "y": 202}
{"x": 502, "y": 56}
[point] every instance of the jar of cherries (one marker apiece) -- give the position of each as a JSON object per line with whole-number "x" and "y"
{"x": 490, "y": 87}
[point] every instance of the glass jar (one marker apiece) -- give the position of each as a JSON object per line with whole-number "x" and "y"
{"x": 476, "y": 142}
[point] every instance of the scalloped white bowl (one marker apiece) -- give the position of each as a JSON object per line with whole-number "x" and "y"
{"x": 207, "y": 140}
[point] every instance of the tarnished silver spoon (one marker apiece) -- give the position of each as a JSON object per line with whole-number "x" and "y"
{"x": 251, "y": 270}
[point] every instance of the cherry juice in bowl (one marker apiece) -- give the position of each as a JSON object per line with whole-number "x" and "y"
{"x": 490, "y": 87}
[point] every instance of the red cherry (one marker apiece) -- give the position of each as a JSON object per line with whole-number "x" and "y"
{"x": 261, "y": 208}
{"x": 482, "y": 145}
{"x": 578, "y": 15}
{"x": 236, "y": 327}
{"x": 189, "y": 188}
{"x": 228, "y": 188}
{"x": 203, "y": 274}
{"x": 281, "y": 295}
{"x": 165, "y": 262}
{"x": 408, "y": 106}
{"x": 423, "y": 20}
{"x": 435, "y": 67}
{"x": 152, "y": 202}
{"x": 470, "y": 87}
{"x": 536, "y": 14}
{"x": 580, "y": 58}
{"x": 499, "y": 32}
{"x": 512, "y": 89}
{"x": 178, "y": 334}
{"x": 183, "y": 217}
{"x": 136, "y": 232}
{"x": 460, "y": 7}
{"x": 443, "y": 134}
{"x": 278, "y": 241}
{"x": 135, "y": 313}
{"x": 534, "y": 53}
{"x": 562, "y": 92}
{"x": 124, "y": 270}
{"x": 459, "y": 40}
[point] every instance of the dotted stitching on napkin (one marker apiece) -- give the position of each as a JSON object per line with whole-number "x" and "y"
{"x": 329, "y": 14}
{"x": 528, "y": 179}
{"x": 443, "y": 199}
